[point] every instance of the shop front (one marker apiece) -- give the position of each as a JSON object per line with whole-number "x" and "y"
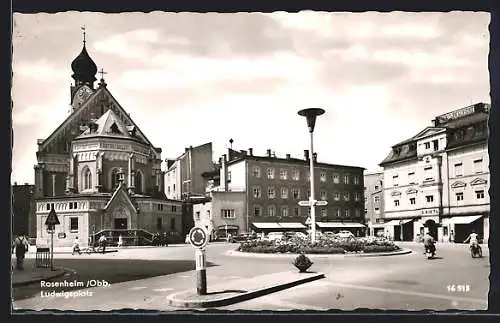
{"x": 458, "y": 228}
{"x": 292, "y": 227}
{"x": 223, "y": 231}
{"x": 400, "y": 230}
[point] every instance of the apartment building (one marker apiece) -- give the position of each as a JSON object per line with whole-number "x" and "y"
{"x": 271, "y": 187}
{"x": 438, "y": 180}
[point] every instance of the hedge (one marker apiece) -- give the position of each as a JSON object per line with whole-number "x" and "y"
{"x": 322, "y": 246}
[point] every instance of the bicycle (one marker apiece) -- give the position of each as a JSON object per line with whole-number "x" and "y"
{"x": 91, "y": 249}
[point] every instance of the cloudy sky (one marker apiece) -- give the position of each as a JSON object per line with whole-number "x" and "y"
{"x": 187, "y": 79}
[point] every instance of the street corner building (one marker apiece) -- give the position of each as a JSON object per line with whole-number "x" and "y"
{"x": 438, "y": 180}
{"x": 99, "y": 172}
{"x": 374, "y": 203}
{"x": 250, "y": 193}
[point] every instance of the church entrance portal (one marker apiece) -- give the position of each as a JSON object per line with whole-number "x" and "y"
{"x": 121, "y": 224}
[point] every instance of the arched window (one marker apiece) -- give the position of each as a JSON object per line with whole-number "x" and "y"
{"x": 138, "y": 182}
{"x": 115, "y": 178}
{"x": 86, "y": 178}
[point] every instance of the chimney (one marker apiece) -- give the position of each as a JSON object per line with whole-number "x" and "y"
{"x": 306, "y": 154}
{"x": 250, "y": 151}
{"x": 269, "y": 153}
{"x": 315, "y": 157}
{"x": 186, "y": 150}
{"x": 287, "y": 156}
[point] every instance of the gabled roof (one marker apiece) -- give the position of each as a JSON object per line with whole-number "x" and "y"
{"x": 109, "y": 125}
{"x": 70, "y": 118}
{"x": 120, "y": 192}
{"x": 78, "y": 111}
{"x": 429, "y": 131}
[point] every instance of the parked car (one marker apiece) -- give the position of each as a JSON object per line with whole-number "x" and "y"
{"x": 242, "y": 237}
{"x": 300, "y": 235}
{"x": 345, "y": 234}
{"x": 271, "y": 236}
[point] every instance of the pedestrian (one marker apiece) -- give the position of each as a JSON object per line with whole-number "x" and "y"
{"x": 165, "y": 239}
{"x": 102, "y": 242}
{"x": 21, "y": 246}
{"x": 452, "y": 236}
{"x": 120, "y": 240}
{"x": 76, "y": 247}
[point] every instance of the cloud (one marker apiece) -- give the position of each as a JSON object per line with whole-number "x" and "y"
{"x": 189, "y": 78}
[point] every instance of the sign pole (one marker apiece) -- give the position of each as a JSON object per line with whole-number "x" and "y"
{"x": 51, "y": 249}
{"x": 51, "y": 222}
{"x": 198, "y": 237}
{"x": 201, "y": 272}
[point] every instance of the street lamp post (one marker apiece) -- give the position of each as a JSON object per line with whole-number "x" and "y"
{"x": 311, "y": 115}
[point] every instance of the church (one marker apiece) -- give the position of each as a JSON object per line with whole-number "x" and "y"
{"x": 99, "y": 171}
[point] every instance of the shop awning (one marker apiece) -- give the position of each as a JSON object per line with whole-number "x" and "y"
{"x": 291, "y": 225}
{"x": 461, "y": 219}
{"x": 339, "y": 225}
{"x": 397, "y": 222}
{"x": 266, "y": 225}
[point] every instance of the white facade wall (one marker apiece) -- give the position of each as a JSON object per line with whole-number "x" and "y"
{"x": 237, "y": 175}
{"x": 444, "y": 175}
{"x": 173, "y": 182}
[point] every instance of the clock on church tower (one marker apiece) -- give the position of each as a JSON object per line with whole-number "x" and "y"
{"x": 81, "y": 95}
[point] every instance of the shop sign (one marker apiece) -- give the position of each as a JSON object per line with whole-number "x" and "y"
{"x": 428, "y": 212}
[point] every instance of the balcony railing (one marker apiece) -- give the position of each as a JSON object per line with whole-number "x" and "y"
{"x": 130, "y": 237}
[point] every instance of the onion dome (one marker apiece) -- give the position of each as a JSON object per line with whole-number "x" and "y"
{"x": 84, "y": 68}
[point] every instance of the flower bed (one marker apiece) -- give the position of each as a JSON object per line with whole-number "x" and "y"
{"x": 324, "y": 245}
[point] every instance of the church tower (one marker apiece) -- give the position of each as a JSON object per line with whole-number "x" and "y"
{"x": 84, "y": 71}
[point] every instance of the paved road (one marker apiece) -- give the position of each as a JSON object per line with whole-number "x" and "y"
{"x": 398, "y": 282}
{"x": 408, "y": 282}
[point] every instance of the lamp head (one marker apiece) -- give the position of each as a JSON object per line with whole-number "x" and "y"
{"x": 311, "y": 115}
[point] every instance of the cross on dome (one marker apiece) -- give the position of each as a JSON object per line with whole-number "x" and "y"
{"x": 102, "y": 73}
{"x": 84, "y": 40}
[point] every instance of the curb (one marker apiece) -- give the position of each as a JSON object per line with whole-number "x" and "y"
{"x": 236, "y": 253}
{"x": 32, "y": 281}
{"x": 238, "y": 298}
{"x": 382, "y": 254}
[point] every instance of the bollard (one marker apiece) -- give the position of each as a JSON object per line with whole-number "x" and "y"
{"x": 201, "y": 272}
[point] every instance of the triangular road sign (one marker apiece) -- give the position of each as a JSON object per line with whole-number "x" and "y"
{"x": 52, "y": 218}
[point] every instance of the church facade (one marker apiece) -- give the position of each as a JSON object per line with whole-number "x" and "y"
{"x": 99, "y": 171}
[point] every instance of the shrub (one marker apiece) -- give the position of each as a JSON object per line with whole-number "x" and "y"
{"x": 324, "y": 245}
{"x": 302, "y": 262}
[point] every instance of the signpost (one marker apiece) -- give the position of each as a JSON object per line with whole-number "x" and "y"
{"x": 198, "y": 237}
{"x": 312, "y": 204}
{"x": 51, "y": 222}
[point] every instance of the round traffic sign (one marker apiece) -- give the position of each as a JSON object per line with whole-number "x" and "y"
{"x": 198, "y": 237}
